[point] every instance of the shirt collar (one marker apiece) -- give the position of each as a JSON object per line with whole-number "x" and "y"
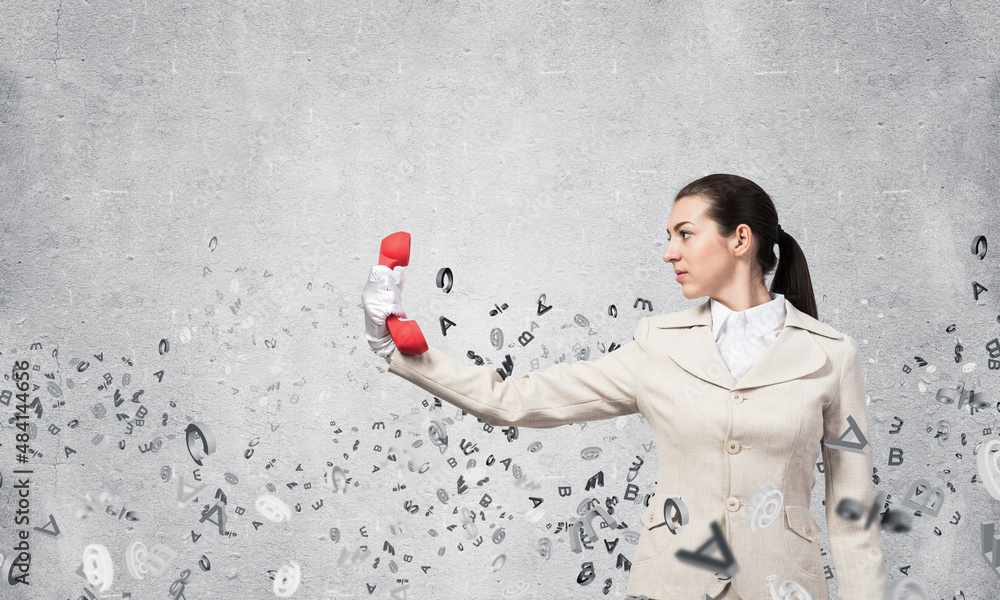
{"x": 761, "y": 319}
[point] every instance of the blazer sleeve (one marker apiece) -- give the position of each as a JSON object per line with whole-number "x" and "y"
{"x": 857, "y": 552}
{"x": 561, "y": 394}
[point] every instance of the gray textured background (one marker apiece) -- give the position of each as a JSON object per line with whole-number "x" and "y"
{"x": 532, "y": 148}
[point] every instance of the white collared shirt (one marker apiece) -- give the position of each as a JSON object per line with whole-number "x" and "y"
{"x": 743, "y": 336}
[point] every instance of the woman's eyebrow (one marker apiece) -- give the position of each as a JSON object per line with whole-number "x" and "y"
{"x": 677, "y": 226}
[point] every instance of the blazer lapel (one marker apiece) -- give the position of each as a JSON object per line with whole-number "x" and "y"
{"x": 793, "y": 354}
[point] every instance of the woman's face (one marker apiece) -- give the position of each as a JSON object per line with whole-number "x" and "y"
{"x": 695, "y": 247}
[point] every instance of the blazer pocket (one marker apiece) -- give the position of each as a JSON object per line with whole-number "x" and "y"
{"x": 657, "y": 538}
{"x": 801, "y": 522}
{"x": 800, "y": 540}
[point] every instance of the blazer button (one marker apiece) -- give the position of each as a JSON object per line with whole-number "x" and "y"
{"x": 733, "y": 447}
{"x": 733, "y": 504}
{"x": 736, "y": 397}
{"x": 809, "y": 530}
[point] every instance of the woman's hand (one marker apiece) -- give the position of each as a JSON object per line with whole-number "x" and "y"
{"x": 382, "y": 296}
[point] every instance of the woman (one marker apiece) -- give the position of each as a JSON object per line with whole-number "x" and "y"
{"x": 739, "y": 391}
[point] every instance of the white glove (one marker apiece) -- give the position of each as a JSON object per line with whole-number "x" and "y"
{"x": 382, "y": 297}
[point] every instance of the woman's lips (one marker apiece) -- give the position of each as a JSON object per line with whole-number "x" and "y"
{"x": 681, "y": 274}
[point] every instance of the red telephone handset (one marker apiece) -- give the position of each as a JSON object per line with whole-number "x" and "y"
{"x": 395, "y": 251}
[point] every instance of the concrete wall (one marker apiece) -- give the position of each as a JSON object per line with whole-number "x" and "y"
{"x": 218, "y": 175}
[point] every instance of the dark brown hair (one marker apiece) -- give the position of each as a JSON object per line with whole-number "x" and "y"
{"x": 734, "y": 200}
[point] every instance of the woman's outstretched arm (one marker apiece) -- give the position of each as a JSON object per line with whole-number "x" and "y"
{"x": 561, "y": 394}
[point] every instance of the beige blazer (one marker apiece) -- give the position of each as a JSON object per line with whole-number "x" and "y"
{"x": 719, "y": 443}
